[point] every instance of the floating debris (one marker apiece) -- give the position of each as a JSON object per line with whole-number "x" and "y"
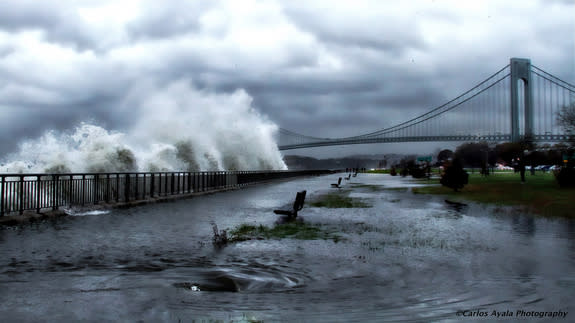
{"x": 457, "y": 206}
{"x": 220, "y": 236}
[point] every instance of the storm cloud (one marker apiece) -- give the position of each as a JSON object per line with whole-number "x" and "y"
{"x": 321, "y": 68}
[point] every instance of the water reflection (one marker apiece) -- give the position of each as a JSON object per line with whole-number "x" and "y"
{"x": 523, "y": 224}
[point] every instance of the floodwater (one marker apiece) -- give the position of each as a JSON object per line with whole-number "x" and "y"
{"x": 408, "y": 258}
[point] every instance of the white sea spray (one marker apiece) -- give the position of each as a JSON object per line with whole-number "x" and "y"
{"x": 175, "y": 128}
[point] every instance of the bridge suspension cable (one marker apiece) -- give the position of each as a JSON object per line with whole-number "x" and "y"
{"x": 442, "y": 108}
{"x": 551, "y": 95}
{"x": 483, "y": 112}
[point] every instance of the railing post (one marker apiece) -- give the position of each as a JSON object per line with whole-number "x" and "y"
{"x": 2, "y": 197}
{"x": 152, "y": 186}
{"x": 55, "y": 192}
{"x": 21, "y": 195}
{"x": 71, "y": 190}
{"x": 136, "y": 190}
{"x": 107, "y": 188}
{"x": 96, "y": 188}
{"x": 38, "y": 194}
{"x": 83, "y": 189}
{"x": 117, "y": 187}
{"x": 144, "y": 187}
{"x": 172, "y": 184}
{"x": 165, "y": 184}
{"x": 127, "y": 187}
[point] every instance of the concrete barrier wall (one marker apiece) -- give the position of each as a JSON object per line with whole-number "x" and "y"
{"x": 42, "y": 192}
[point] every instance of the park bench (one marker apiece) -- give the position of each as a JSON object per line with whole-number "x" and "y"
{"x": 297, "y": 206}
{"x": 348, "y": 177}
{"x": 337, "y": 184}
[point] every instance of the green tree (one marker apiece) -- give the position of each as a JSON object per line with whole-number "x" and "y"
{"x": 508, "y": 151}
{"x": 472, "y": 153}
{"x": 444, "y": 155}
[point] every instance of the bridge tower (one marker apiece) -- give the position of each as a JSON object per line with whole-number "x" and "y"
{"x": 521, "y": 71}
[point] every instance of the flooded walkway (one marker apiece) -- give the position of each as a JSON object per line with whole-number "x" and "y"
{"x": 405, "y": 258}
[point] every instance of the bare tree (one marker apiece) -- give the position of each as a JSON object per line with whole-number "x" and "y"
{"x": 566, "y": 118}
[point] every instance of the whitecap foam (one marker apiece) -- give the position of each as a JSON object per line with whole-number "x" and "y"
{"x": 176, "y": 128}
{"x": 75, "y": 212}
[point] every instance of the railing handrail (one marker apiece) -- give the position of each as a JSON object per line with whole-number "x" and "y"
{"x": 158, "y": 172}
{"x": 21, "y": 192}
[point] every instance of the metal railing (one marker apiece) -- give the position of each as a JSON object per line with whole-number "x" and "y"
{"x": 40, "y": 192}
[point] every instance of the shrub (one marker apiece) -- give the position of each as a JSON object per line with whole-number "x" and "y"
{"x": 418, "y": 172}
{"x": 404, "y": 172}
{"x": 454, "y": 177}
{"x": 566, "y": 177}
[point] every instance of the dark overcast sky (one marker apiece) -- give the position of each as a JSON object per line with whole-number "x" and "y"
{"x": 321, "y": 68}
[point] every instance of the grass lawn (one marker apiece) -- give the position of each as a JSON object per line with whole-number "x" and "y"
{"x": 338, "y": 200}
{"x": 540, "y": 193}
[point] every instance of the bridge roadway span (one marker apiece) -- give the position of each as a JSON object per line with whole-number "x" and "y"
{"x": 494, "y": 138}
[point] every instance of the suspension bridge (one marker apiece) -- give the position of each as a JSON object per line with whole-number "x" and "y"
{"x": 519, "y": 102}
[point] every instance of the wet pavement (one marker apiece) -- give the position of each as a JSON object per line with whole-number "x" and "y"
{"x": 407, "y": 258}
